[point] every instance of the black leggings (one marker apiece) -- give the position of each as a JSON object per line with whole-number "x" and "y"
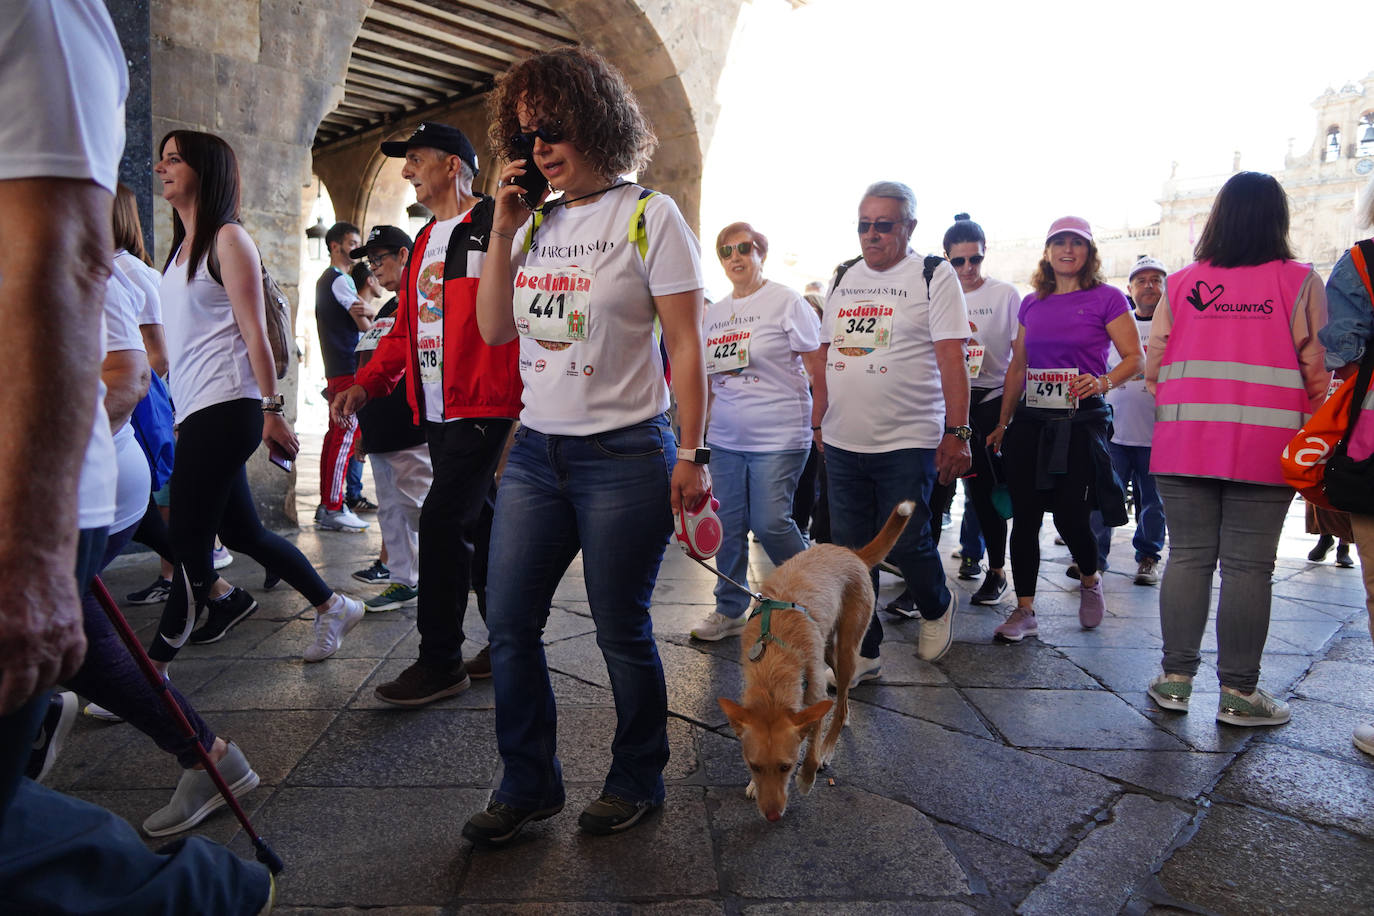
{"x": 1070, "y": 499}
{"x": 210, "y": 495}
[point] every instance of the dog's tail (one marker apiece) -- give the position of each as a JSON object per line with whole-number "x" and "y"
{"x": 875, "y": 550}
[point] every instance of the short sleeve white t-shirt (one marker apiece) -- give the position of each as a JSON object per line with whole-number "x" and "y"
{"x": 148, "y": 281}
{"x": 429, "y": 300}
{"x": 609, "y": 374}
{"x": 63, "y": 80}
{"x": 1133, "y": 408}
{"x": 880, "y": 371}
{"x": 345, "y": 291}
{"x": 130, "y": 494}
{"x": 761, "y": 398}
{"x": 992, "y": 310}
{"x": 207, "y": 357}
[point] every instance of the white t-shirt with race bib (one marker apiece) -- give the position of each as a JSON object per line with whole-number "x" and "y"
{"x": 762, "y": 401}
{"x": 583, "y": 306}
{"x": 148, "y": 281}
{"x": 992, "y": 310}
{"x": 1133, "y": 408}
{"x": 880, "y": 371}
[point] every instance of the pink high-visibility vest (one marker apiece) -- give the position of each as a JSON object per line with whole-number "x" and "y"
{"x": 1230, "y": 394}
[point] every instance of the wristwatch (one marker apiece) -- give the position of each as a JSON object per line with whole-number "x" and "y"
{"x": 694, "y": 455}
{"x": 274, "y": 402}
{"x": 960, "y": 432}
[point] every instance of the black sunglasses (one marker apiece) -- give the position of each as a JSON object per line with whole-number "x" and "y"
{"x": 959, "y": 262}
{"x": 883, "y": 226}
{"x": 743, "y": 248}
{"x": 551, "y": 134}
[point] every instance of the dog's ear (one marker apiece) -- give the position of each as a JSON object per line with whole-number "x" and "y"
{"x": 815, "y": 711}
{"x": 737, "y": 714}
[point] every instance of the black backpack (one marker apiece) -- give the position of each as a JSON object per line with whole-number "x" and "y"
{"x": 932, "y": 261}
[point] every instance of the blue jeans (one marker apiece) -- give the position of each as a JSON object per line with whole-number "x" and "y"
{"x": 970, "y": 532}
{"x": 1132, "y": 463}
{"x": 755, "y": 491}
{"x": 864, "y": 489}
{"x": 606, "y": 495}
{"x": 353, "y": 480}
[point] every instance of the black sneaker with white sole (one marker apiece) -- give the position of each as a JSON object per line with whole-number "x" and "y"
{"x": 611, "y": 814}
{"x": 224, "y": 614}
{"x": 498, "y": 823}
{"x": 56, "y": 725}
{"x": 992, "y": 589}
{"x": 153, "y": 594}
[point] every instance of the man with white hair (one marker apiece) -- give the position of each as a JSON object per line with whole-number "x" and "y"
{"x": 894, "y": 399}
{"x": 464, "y": 393}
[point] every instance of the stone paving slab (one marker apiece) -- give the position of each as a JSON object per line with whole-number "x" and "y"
{"x": 1026, "y": 665}
{"x": 942, "y": 705}
{"x": 1093, "y": 719}
{"x": 1309, "y": 786}
{"x": 1106, "y": 867}
{"x": 399, "y": 747}
{"x": 1181, "y": 774}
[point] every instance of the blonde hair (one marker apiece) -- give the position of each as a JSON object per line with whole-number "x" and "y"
{"x": 1364, "y": 207}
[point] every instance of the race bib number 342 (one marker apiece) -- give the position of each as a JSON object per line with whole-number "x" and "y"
{"x": 1049, "y": 388}
{"x": 553, "y": 304}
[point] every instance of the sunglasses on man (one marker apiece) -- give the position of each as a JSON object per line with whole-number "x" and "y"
{"x": 882, "y": 226}
{"x": 743, "y": 248}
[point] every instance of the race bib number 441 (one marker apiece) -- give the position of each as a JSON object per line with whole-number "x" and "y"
{"x": 1049, "y": 388}
{"x": 553, "y": 304}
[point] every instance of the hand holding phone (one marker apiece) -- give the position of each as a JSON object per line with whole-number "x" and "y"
{"x": 278, "y": 456}
{"x": 533, "y": 181}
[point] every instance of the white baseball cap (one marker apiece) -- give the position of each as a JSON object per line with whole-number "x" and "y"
{"x": 1146, "y": 263}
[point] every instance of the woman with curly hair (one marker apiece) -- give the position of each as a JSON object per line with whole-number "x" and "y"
{"x": 595, "y": 467}
{"x": 1056, "y": 446}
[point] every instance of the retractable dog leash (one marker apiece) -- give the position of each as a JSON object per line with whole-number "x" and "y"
{"x": 699, "y": 534}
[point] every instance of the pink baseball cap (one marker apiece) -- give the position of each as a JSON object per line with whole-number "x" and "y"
{"x": 1076, "y": 225}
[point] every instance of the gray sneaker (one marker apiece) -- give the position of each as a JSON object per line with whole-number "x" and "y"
{"x": 1259, "y": 708}
{"x": 339, "y": 520}
{"x": 196, "y": 797}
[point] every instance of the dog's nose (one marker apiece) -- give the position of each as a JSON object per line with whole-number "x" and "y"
{"x": 774, "y": 816}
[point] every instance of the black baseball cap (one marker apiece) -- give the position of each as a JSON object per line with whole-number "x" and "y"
{"x": 436, "y": 136}
{"x": 383, "y": 237}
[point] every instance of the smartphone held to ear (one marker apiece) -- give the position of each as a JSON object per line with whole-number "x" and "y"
{"x": 278, "y": 456}
{"x": 533, "y": 181}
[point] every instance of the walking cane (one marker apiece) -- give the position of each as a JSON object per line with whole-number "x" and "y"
{"x": 264, "y": 853}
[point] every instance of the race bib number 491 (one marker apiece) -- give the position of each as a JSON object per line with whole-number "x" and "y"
{"x": 553, "y": 304}
{"x": 1049, "y": 388}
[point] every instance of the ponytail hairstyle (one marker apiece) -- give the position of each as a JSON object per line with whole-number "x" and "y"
{"x": 128, "y": 229}
{"x": 217, "y": 194}
{"x": 964, "y": 230}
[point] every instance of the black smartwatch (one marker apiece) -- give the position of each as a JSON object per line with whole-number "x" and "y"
{"x": 695, "y": 455}
{"x": 964, "y": 433}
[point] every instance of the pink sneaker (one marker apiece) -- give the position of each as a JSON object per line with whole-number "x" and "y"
{"x": 1018, "y": 626}
{"x": 1091, "y": 605}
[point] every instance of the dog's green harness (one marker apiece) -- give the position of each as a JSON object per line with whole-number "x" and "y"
{"x": 765, "y": 608}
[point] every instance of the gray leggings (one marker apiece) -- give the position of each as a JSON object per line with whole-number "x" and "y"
{"x": 1239, "y": 524}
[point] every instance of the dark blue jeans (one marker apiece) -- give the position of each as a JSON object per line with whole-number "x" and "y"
{"x": 864, "y": 489}
{"x": 1132, "y": 463}
{"x": 606, "y": 495}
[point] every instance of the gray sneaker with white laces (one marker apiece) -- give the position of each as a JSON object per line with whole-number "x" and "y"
{"x": 196, "y": 796}
{"x": 1259, "y": 708}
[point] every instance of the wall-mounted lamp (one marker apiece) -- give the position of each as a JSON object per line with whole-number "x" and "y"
{"x": 316, "y": 234}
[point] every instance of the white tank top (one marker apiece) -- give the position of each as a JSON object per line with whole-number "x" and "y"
{"x": 207, "y": 355}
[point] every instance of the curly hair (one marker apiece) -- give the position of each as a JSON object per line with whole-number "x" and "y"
{"x": 1090, "y": 277}
{"x": 580, "y": 90}
{"x": 759, "y": 239}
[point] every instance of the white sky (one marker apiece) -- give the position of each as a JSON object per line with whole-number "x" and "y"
{"x": 1015, "y": 112}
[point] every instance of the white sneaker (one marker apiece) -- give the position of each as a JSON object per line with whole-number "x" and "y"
{"x": 866, "y": 669}
{"x": 717, "y": 626}
{"x": 221, "y": 557}
{"x": 96, "y": 711}
{"x": 331, "y": 625}
{"x": 1364, "y": 738}
{"x": 937, "y": 634}
{"x": 339, "y": 520}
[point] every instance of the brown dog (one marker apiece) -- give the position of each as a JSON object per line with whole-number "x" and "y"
{"x": 820, "y": 604}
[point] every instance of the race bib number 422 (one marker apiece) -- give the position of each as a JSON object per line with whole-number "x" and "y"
{"x": 553, "y": 304}
{"x": 1049, "y": 388}
{"x": 727, "y": 352}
